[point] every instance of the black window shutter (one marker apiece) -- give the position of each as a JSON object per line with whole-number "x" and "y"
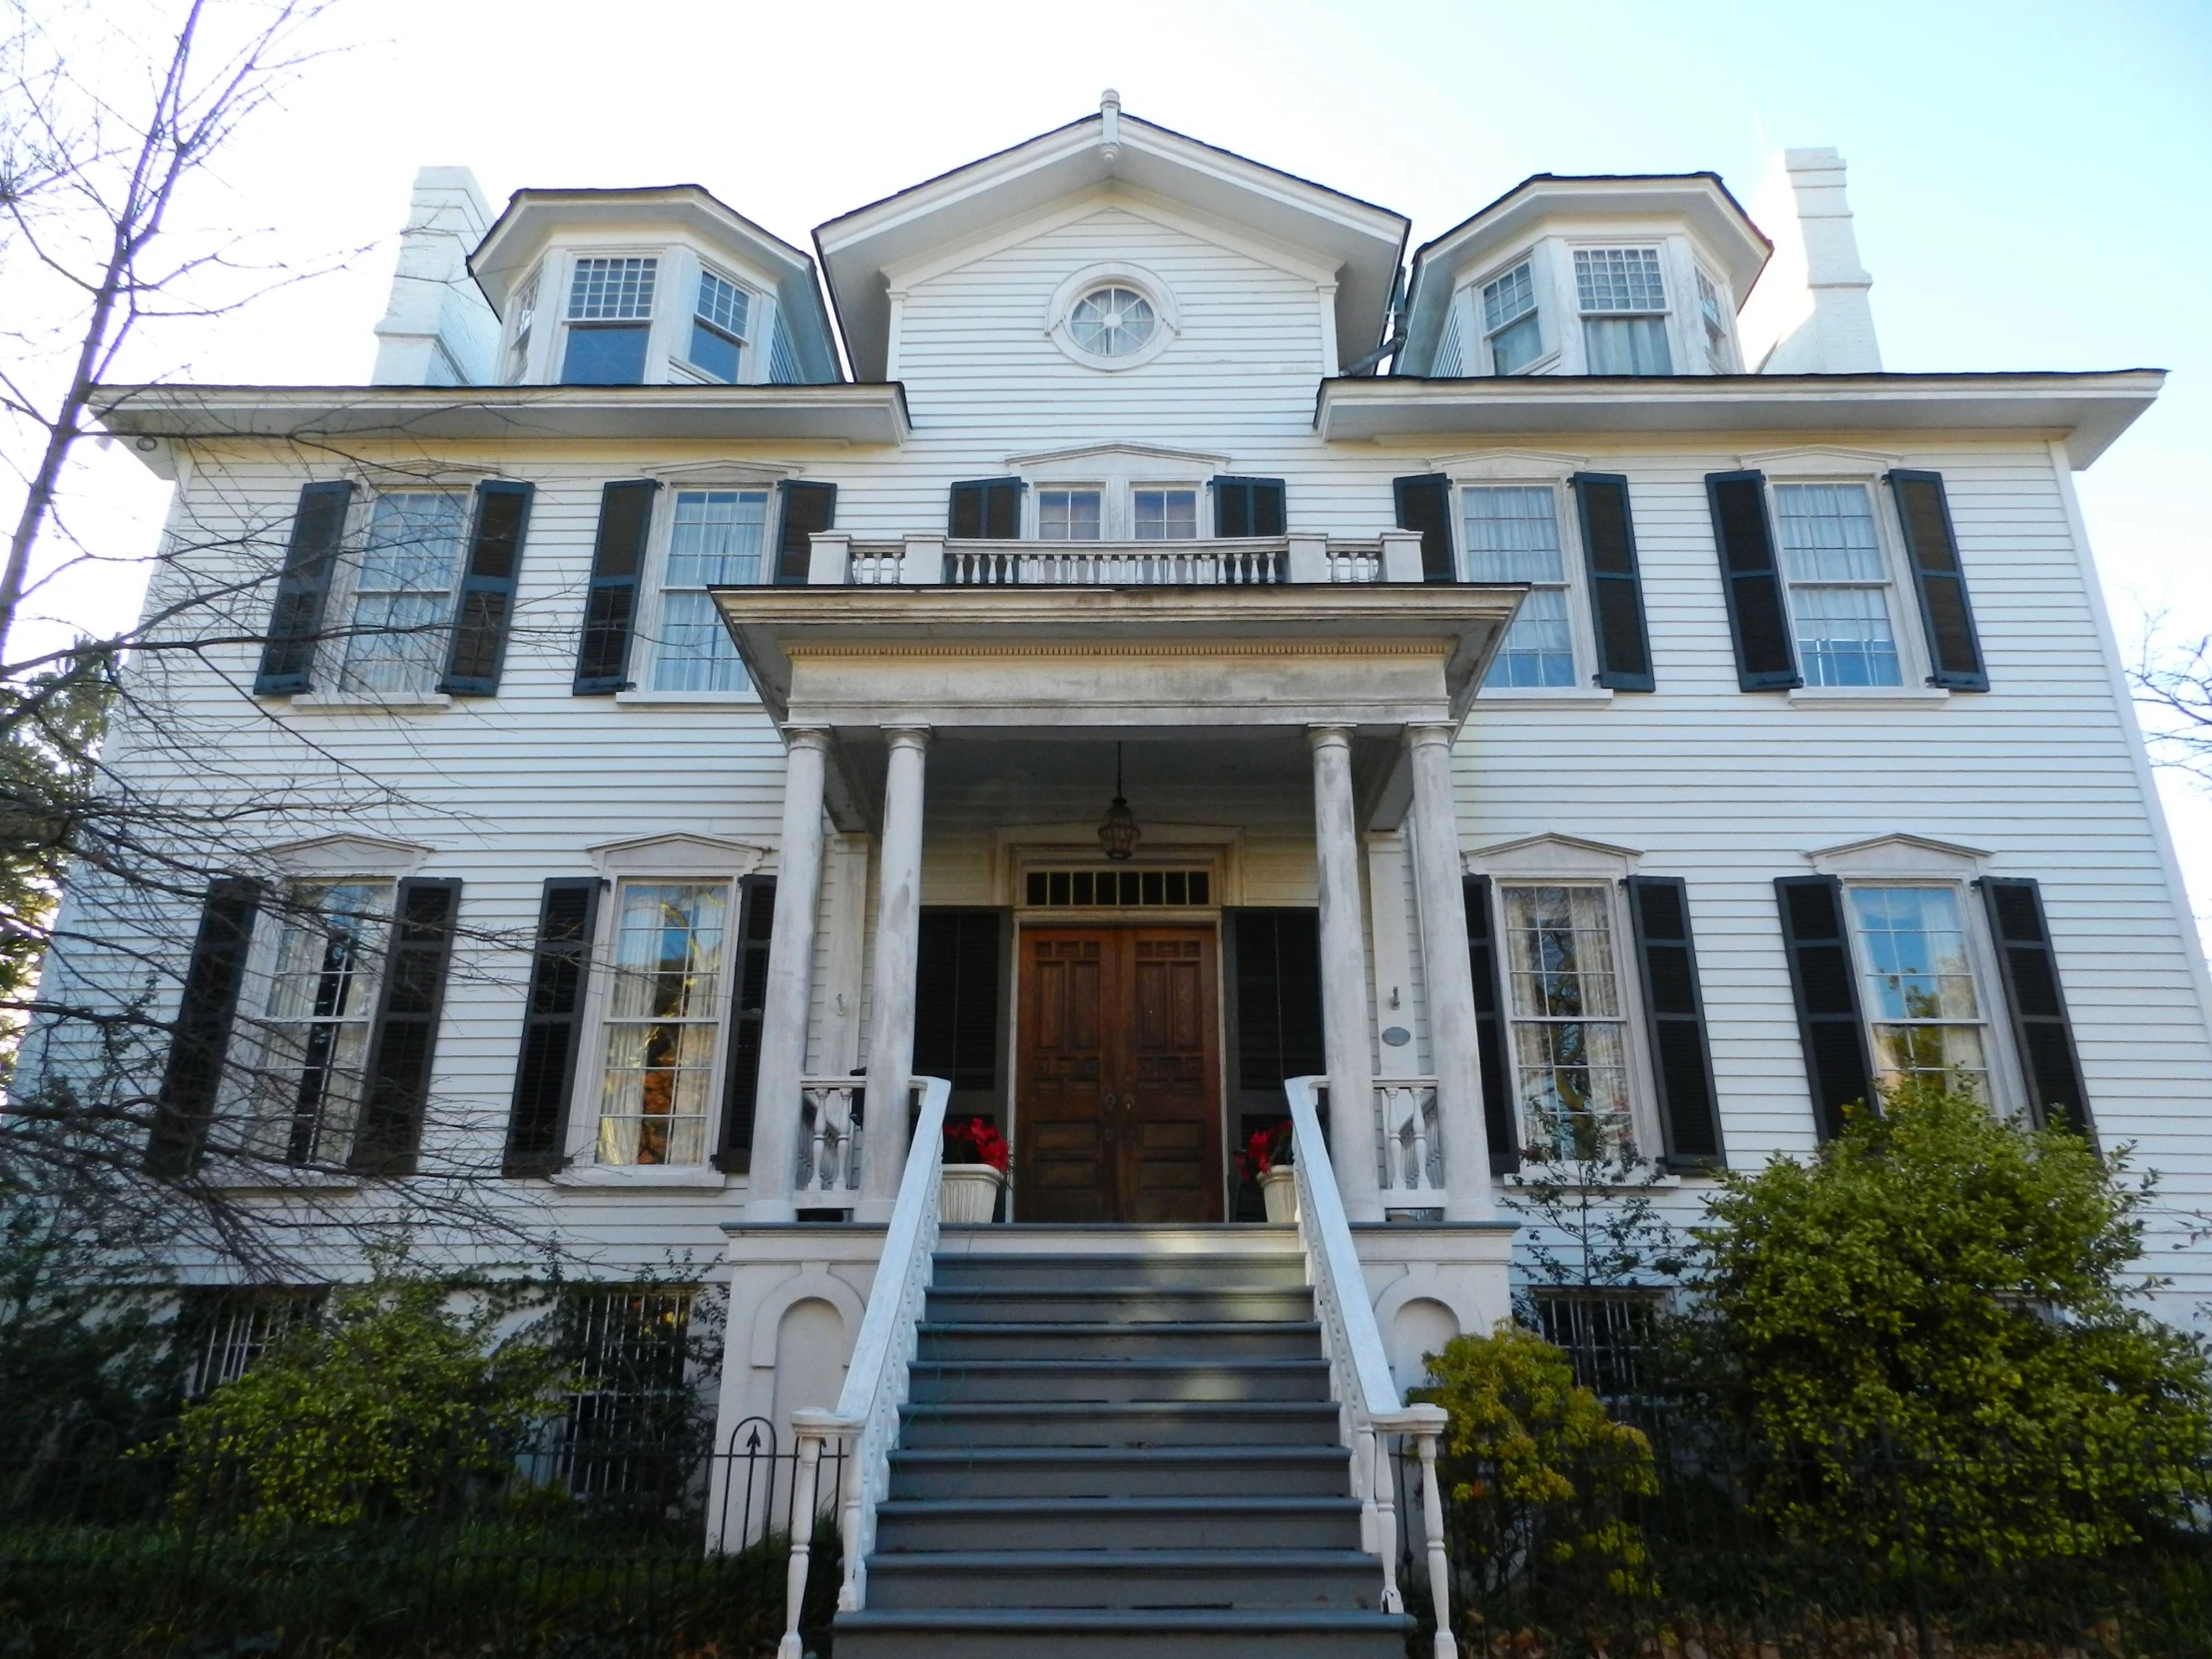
{"x": 552, "y": 1026}
{"x": 405, "y": 1038}
{"x": 1500, "y": 1118}
{"x": 1275, "y": 970}
{"x": 1248, "y": 506}
{"x": 1425, "y": 503}
{"x": 2039, "y": 1022}
{"x": 192, "y": 1079}
{"x": 986, "y": 509}
{"x": 1933, "y": 545}
{"x": 956, "y": 996}
{"x": 808, "y": 508}
{"x": 1751, "y": 578}
{"x": 1674, "y": 1010}
{"x": 1616, "y": 585}
{"x": 1835, "y": 1063}
{"x": 487, "y": 598}
{"x": 748, "y": 1004}
{"x": 611, "y": 604}
{"x": 296, "y": 617}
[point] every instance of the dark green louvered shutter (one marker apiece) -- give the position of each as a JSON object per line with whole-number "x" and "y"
{"x": 1751, "y": 578}
{"x": 487, "y": 598}
{"x": 2039, "y": 1023}
{"x": 611, "y": 603}
{"x": 192, "y": 1079}
{"x": 1674, "y": 1011}
{"x": 1500, "y": 1121}
{"x": 986, "y": 509}
{"x": 1423, "y": 503}
{"x": 1274, "y": 969}
{"x": 552, "y": 1026}
{"x": 808, "y": 508}
{"x": 1932, "y": 543}
{"x": 747, "y": 1009}
{"x": 303, "y": 588}
{"x": 405, "y": 1040}
{"x": 957, "y": 989}
{"x": 1836, "y": 1068}
{"x": 1616, "y": 582}
{"x": 1248, "y": 506}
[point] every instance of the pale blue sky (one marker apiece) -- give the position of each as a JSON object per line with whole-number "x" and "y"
{"x": 2030, "y": 179}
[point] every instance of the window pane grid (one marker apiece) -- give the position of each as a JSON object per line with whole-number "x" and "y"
{"x": 722, "y": 304}
{"x": 1619, "y": 280}
{"x": 664, "y": 1022}
{"x": 1922, "y": 1006}
{"x": 612, "y": 289}
{"x": 1513, "y": 536}
{"x": 322, "y": 999}
{"x": 1570, "y": 1037}
{"x": 1111, "y": 322}
{"x": 1165, "y": 515}
{"x": 1510, "y": 296}
{"x": 1068, "y": 516}
{"x": 1839, "y": 601}
{"x": 714, "y": 537}
{"x": 403, "y": 594}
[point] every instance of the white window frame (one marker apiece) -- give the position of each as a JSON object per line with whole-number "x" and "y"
{"x": 523, "y": 330}
{"x": 656, "y": 323}
{"x": 696, "y": 272}
{"x": 1033, "y": 509}
{"x": 1200, "y": 529}
{"x": 1485, "y": 336}
{"x": 653, "y": 613}
{"x": 1720, "y": 355}
{"x": 1117, "y": 473}
{"x": 1657, "y": 248}
{"x": 1910, "y": 671}
{"x": 1167, "y": 315}
{"x": 1519, "y": 469}
{"x": 341, "y": 605}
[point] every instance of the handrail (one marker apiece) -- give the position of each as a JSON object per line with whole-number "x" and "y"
{"x": 867, "y": 1410}
{"x": 1359, "y": 1367}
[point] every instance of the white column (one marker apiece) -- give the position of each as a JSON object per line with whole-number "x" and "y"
{"x": 1442, "y": 899}
{"x": 890, "y": 1043}
{"x": 1344, "y": 975}
{"x": 791, "y": 971}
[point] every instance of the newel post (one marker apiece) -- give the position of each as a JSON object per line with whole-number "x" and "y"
{"x": 1426, "y": 1433}
{"x": 811, "y": 1436}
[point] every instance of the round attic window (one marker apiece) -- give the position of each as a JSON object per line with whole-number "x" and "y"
{"x": 1112, "y": 316}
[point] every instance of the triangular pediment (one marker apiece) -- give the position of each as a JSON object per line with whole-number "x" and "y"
{"x": 1143, "y": 454}
{"x": 1898, "y": 853}
{"x": 679, "y": 852}
{"x": 1554, "y": 855}
{"x": 349, "y": 853}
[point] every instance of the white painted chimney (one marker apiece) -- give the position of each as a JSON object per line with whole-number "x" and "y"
{"x": 1808, "y": 312}
{"x": 438, "y": 330}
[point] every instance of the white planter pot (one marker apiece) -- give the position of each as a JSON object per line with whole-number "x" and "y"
{"x": 970, "y": 1194}
{"x": 1278, "y": 1190}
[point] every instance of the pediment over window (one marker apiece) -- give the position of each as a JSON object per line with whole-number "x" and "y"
{"x": 690, "y": 854}
{"x": 1117, "y": 457}
{"x": 1554, "y": 855}
{"x": 1899, "y": 855}
{"x": 721, "y": 472}
{"x": 1475, "y": 465}
{"x": 1815, "y": 461}
{"x": 350, "y": 854}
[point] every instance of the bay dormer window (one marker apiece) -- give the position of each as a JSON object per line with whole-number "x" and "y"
{"x": 1509, "y": 325}
{"x": 717, "y": 328}
{"x": 610, "y": 320}
{"x": 1623, "y": 298}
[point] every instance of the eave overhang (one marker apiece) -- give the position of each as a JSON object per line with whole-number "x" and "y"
{"x": 2085, "y": 411}
{"x": 834, "y": 414}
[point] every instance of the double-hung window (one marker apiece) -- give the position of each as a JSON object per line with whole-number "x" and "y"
{"x": 525, "y": 326}
{"x": 1164, "y": 514}
{"x": 666, "y": 1005}
{"x": 1924, "y": 1011}
{"x": 1512, "y": 535}
{"x": 1510, "y": 321}
{"x": 1714, "y": 316}
{"x": 717, "y": 328}
{"x": 610, "y": 320}
{"x": 1072, "y": 514}
{"x": 329, "y": 966}
{"x": 1569, "y": 1027}
{"x": 1623, "y": 298}
{"x": 403, "y": 593}
{"x": 1838, "y": 585}
{"x": 714, "y": 537}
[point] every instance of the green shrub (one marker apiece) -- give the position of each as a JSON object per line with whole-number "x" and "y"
{"x": 1536, "y": 1472}
{"x": 1930, "y": 1326}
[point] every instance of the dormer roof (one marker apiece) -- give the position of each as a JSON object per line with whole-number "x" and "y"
{"x": 1362, "y": 242}
{"x": 1700, "y": 200}
{"x": 516, "y": 242}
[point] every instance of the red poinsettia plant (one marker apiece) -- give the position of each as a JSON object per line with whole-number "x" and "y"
{"x": 1266, "y": 1150}
{"x": 975, "y": 1141}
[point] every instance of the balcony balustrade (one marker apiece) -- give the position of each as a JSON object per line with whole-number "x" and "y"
{"x": 842, "y": 560}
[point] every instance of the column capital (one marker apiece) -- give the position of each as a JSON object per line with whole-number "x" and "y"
{"x": 1329, "y": 735}
{"x": 906, "y": 737}
{"x": 1422, "y": 733}
{"x": 809, "y": 736}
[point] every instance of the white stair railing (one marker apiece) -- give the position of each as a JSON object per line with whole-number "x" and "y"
{"x": 1360, "y": 1369}
{"x": 866, "y": 1416}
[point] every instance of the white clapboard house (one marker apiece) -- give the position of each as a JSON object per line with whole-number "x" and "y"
{"x": 1122, "y": 631}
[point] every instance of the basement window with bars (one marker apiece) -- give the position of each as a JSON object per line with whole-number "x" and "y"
{"x": 630, "y": 1418}
{"x": 228, "y": 1332}
{"x": 1603, "y": 1332}
{"x": 1118, "y": 889}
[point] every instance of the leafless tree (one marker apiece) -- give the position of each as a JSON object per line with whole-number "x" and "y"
{"x": 2172, "y": 681}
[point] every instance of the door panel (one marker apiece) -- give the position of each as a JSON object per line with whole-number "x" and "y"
{"x": 1117, "y": 1076}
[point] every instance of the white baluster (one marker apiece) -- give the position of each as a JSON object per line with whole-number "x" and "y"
{"x": 1433, "y": 1525}
{"x": 802, "y": 1538}
{"x": 1385, "y": 1524}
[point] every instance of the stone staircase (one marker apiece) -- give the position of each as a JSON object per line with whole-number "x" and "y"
{"x": 1120, "y": 1441}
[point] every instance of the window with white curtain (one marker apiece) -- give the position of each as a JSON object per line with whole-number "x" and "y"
{"x": 1838, "y": 585}
{"x": 329, "y": 968}
{"x": 1568, "y": 1020}
{"x": 1623, "y": 297}
{"x": 1510, "y": 321}
{"x": 714, "y": 537}
{"x": 1070, "y": 514}
{"x": 1512, "y": 535}
{"x": 402, "y": 613}
{"x": 662, "y": 1031}
{"x": 1164, "y": 514}
{"x": 1923, "y": 1009}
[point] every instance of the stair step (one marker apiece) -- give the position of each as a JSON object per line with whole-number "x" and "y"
{"x": 1154, "y": 1633}
{"x": 1165, "y": 1271}
{"x": 1192, "y": 1340}
{"x": 1149, "y": 1471}
{"x": 926, "y": 1524}
{"x": 1078, "y": 1380}
{"x": 1074, "y": 1424}
{"x": 1096, "y": 1578}
{"x": 1128, "y": 1304}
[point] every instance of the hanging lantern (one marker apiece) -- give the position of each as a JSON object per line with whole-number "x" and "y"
{"x": 1118, "y": 832}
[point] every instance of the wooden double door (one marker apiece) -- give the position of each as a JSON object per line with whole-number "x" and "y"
{"x": 1117, "y": 1076}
